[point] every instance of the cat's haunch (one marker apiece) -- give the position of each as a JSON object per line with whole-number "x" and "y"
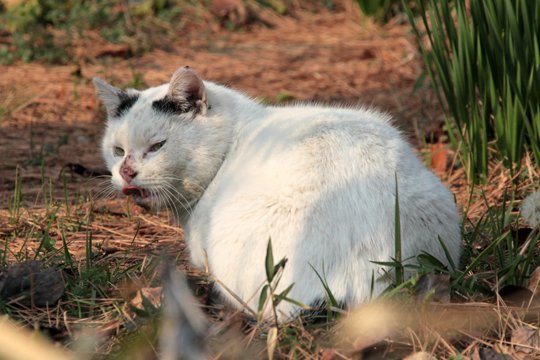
{"x": 319, "y": 181}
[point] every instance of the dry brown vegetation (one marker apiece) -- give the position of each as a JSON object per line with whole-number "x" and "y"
{"x": 49, "y": 118}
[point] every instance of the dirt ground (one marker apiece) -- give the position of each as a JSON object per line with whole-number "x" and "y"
{"x": 328, "y": 57}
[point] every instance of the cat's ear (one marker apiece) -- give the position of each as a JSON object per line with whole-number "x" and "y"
{"x": 116, "y": 101}
{"x": 186, "y": 85}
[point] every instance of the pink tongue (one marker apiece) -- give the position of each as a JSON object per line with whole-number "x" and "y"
{"x": 133, "y": 190}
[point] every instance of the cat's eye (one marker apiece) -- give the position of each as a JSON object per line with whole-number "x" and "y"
{"x": 157, "y": 146}
{"x": 118, "y": 151}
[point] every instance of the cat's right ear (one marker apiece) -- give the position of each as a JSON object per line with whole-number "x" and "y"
{"x": 116, "y": 101}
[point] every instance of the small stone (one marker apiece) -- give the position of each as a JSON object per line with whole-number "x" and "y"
{"x": 29, "y": 284}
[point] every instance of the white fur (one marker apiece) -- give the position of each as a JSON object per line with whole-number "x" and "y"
{"x": 318, "y": 181}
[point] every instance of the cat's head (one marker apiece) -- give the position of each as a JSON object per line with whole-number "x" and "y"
{"x": 158, "y": 144}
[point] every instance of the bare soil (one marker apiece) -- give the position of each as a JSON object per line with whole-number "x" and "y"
{"x": 326, "y": 57}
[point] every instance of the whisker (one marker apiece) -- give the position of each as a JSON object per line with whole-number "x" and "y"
{"x": 100, "y": 180}
{"x": 155, "y": 193}
{"x": 172, "y": 207}
{"x": 171, "y": 204}
{"x": 105, "y": 192}
{"x": 174, "y": 191}
{"x": 167, "y": 189}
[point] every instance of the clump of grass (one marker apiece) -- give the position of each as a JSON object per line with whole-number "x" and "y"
{"x": 498, "y": 249}
{"x": 284, "y": 97}
{"x": 482, "y": 58}
{"x": 48, "y": 30}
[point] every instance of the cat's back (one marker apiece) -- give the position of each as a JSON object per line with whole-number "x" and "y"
{"x": 325, "y": 140}
{"x": 308, "y": 121}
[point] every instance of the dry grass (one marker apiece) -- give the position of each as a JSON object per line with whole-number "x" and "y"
{"x": 114, "y": 248}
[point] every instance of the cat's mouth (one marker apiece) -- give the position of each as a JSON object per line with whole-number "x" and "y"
{"x": 132, "y": 190}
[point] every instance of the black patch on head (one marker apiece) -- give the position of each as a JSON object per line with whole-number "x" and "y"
{"x": 172, "y": 106}
{"x": 126, "y": 102}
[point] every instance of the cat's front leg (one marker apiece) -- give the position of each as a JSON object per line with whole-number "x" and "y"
{"x": 195, "y": 246}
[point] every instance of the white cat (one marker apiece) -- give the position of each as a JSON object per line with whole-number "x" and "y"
{"x": 319, "y": 181}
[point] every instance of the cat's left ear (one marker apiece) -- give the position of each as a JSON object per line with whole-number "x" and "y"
{"x": 186, "y": 85}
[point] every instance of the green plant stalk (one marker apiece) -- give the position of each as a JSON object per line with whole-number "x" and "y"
{"x": 4, "y": 254}
{"x": 483, "y": 61}
{"x": 274, "y": 307}
{"x": 45, "y": 242}
{"x": 88, "y": 243}
{"x": 15, "y": 203}
{"x": 66, "y": 196}
{"x": 272, "y": 278}
{"x": 42, "y": 180}
{"x": 480, "y": 256}
{"x": 88, "y": 249}
{"x": 51, "y": 196}
{"x": 67, "y": 255}
{"x": 397, "y": 239}
{"x": 330, "y": 296}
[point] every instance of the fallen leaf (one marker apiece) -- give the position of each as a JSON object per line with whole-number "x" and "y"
{"x": 151, "y": 293}
{"x": 526, "y": 341}
{"x": 328, "y": 354}
{"x": 439, "y": 157}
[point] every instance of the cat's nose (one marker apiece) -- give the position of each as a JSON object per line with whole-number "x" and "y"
{"x": 127, "y": 172}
